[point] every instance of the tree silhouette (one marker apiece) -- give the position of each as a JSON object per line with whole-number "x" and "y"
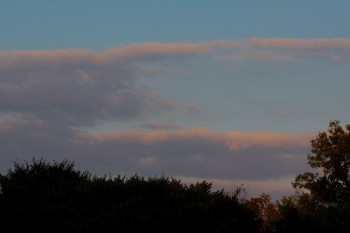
{"x": 54, "y": 197}
{"x": 321, "y": 203}
{"x": 265, "y": 210}
{"x": 331, "y": 156}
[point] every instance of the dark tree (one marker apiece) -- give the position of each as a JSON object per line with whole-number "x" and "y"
{"x": 266, "y": 211}
{"x": 42, "y": 196}
{"x": 331, "y": 157}
{"x": 54, "y": 197}
{"x": 321, "y": 203}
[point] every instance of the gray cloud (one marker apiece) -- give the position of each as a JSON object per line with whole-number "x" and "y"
{"x": 24, "y": 137}
{"x": 202, "y": 153}
{"x": 190, "y": 153}
{"x": 46, "y": 96}
{"x": 226, "y": 160}
{"x": 160, "y": 126}
{"x": 79, "y": 87}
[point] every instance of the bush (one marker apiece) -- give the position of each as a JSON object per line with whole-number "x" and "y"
{"x": 54, "y": 197}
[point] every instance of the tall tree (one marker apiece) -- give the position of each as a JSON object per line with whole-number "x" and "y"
{"x": 330, "y": 184}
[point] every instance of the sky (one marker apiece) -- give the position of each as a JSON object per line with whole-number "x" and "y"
{"x": 230, "y": 92}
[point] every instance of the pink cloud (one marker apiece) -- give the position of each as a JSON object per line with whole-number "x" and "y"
{"x": 265, "y": 55}
{"x": 147, "y": 50}
{"x": 332, "y": 49}
{"x": 44, "y": 59}
{"x": 322, "y": 43}
{"x": 226, "y": 44}
{"x": 241, "y": 140}
{"x": 220, "y": 156}
{"x": 235, "y": 141}
{"x": 153, "y": 137}
{"x": 326, "y": 48}
{"x": 74, "y": 57}
{"x": 285, "y": 50}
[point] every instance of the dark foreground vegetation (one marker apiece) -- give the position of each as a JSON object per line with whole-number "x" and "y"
{"x": 55, "y": 197}
{"x": 44, "y": 197}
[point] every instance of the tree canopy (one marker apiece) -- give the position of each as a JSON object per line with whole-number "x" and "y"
{"x": 321, "y": 203}
{"x": 55, "y": 197}
{"x": 330, "y": 184}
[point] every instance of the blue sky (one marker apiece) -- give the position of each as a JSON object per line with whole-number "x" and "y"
{"x": 102, "y": 25}
{"x": 227, "y": 91}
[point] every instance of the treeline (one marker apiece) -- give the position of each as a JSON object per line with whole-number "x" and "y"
{"x": 44, "y": 197}
{"x": 55, "y": 197}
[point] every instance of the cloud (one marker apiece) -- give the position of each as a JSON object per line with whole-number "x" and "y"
{"x": 229, "y": 159}
{"x": 192, "y": 109}
{"x": 331, "y": 49}
{"x": 160, "y": 126}
{"x": 76, "y": 57}
{"x": 80, "y": 87}
{"x": 24, "y": 137}
{"x": 208, "y": 154}
{"x": 148, "y": 51}
{"x": 147, "y": 162}
{"x": 313, "y": 44}
{"x": 265, "y": 55}
{"x": 285, "y": 50}
{"x": 234, "y": 141}
{"x": 192, "y": 153}
{"x": 46, "y": 97}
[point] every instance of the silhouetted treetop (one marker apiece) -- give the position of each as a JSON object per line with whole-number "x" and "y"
{"x": 55, "y": 197}
{"x": 330, "y": 155}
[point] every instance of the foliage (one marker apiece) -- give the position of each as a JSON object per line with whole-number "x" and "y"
{"x": 321, "y": 203}
{"x": 265, "y": 210}
{"x": 54, "y": 197}
{"x": 300, "y": 214}
{"x": 331, "y": 155}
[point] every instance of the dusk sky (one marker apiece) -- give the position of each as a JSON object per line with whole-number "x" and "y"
{"x": 230, "y": 92}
